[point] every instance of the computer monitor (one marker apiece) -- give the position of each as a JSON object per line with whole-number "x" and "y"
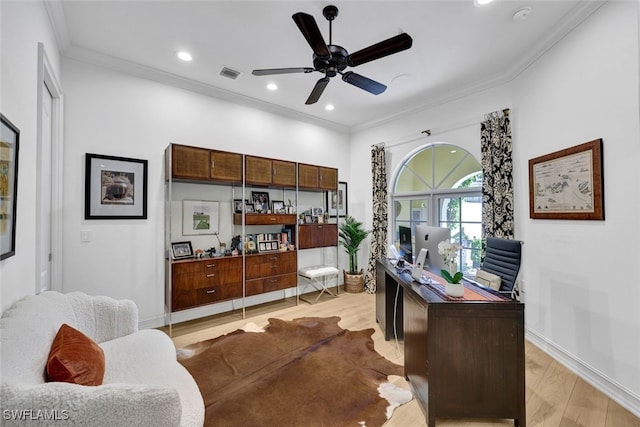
{"x": 406, "y": 247}
{"x": 428, "y": 237}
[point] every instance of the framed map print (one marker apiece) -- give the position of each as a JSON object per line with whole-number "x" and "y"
{"x": 567, "y": 184}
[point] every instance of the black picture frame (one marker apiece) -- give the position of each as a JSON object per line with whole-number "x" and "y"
{"x": 261, "y": 199}
{"x": 9, "y": 148}
{"x": 115, "y": 187}
{"x": 337, "y": 201}
{"x": 181, "y": 250}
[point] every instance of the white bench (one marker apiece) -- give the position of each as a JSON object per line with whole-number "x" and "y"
{"x": 318, "y": 276}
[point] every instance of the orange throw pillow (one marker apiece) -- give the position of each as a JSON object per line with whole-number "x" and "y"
{"x": 75, "y": 358}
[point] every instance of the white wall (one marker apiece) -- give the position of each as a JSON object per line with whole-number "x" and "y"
{"x": 582, "y": 287}
{"x": 583, "y": 284}
{"x": 111, "y": 113}
{"x": 22, "y": 26}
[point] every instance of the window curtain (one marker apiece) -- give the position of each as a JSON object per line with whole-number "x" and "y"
{"x": 497, "y": 170}
{"x": 379, "y": 229}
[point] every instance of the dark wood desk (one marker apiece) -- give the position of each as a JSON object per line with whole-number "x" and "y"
{"x": 462, "y": 358}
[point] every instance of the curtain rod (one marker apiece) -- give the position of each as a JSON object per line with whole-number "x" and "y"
{"x": 436, "y": 131}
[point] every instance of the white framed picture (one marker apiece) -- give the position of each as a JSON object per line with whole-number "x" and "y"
{"x": 199, "y": 217}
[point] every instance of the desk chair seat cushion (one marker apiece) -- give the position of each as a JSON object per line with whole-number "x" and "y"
{"x": 489, "y": 280}
{"x": 315, "y": 271}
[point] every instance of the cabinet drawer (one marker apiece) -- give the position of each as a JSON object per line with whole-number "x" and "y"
{"x": 270, "y": 284}
{"x": 204, "y": 273}
{"x": 271, "y": 264}
{"x": 265, "y": 219}
{"x": 188, "y": 298}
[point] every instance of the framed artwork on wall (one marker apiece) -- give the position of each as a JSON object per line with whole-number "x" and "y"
{"x": 115, "y": 187}
{"x": 568, "y": 184}
{"x": 337, "y": 201}
{"x": 199, "y": 217}
{"x": 9, "y": 144}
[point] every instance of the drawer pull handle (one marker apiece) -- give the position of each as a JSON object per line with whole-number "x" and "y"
{"x": 210, "y": 265}
{"x": 211, "y": 291}
{"x": 272, "y": 219}
{"x": 274, "y": 266}
{"x": 274, "y": 280}
{"x": 211, "y": 275}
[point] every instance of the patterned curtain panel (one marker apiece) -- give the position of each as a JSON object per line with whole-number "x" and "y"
{"x": 497, "y": 169}
{"x": 379, "y": 230}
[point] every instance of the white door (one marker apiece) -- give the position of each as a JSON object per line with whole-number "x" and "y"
{"x": 45, "y": 192}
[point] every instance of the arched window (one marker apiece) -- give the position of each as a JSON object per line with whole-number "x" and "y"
{"x": 441, "y": 184}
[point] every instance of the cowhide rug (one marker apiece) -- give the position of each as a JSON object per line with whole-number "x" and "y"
{"x": 300, "y": 373}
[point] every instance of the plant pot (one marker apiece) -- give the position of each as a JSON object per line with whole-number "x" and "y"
{"x": 353, "y": 283}
{"x": 454, "y": 289}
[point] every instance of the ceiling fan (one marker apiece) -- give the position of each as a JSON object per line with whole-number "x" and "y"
{"x": 331, "y": 59}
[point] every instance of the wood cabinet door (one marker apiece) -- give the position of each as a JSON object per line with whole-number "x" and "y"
{"x": 258, "y": 170}
{"x": 328, "y": 178}
{"x": 189, "y": 162}
{"x": 284, "y": 173}
{"x": 317, "y": 235}
{"x": 307, "y": 176}
{"x": 226, "y": 166}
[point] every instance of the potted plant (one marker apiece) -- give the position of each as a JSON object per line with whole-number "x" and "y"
{"x": 449, "y": 253}
{"x": 351, "y": 234}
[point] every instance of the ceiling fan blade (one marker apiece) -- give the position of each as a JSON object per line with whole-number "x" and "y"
{"x": 317, "y": 90}
{"x": 309, "y": 28}
{"x": 271, "y": 71}
{"x": 379, "y": 50}
{"x": 363, "y": 82}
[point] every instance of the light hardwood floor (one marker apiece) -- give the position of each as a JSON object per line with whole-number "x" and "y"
{"x": 554, "y": 395}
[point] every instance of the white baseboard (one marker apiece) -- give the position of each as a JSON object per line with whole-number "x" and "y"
{"x": 615, "y": 391}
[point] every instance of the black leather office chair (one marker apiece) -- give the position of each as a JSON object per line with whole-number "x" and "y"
{"x": 502, "y": 258}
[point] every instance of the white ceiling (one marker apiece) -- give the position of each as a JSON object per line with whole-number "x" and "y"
{"x": 458, "y": 48}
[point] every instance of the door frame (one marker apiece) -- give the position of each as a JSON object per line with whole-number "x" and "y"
{"x": 46, "y": 76}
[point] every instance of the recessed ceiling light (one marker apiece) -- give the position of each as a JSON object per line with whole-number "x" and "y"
{"x": 482, "y": 2}
{"x": 329, "y": 107}
{"x": 185, "y": 56}
{"x": 272, "y": 86}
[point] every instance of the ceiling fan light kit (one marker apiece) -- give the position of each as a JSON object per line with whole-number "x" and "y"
{"x": 331, "y": 60}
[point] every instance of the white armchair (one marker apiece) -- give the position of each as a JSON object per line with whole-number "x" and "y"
{"x": 143, "y": 383}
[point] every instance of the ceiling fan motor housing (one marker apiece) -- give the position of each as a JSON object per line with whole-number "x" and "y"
{"x": 335, "y": 64}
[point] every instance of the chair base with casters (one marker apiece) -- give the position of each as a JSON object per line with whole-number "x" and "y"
{"x": 319, "y": 277}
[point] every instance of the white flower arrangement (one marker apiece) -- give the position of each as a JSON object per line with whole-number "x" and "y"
{"x": 449, "y": 252}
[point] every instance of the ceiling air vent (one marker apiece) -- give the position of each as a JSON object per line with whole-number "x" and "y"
{"x": 230, "y": 73}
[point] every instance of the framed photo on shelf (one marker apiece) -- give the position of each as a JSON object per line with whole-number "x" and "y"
{"x": 199, "y": 217}
{"x": 249, "y": 207}
{"x": 337, "y": 201}
{"x": 568, "y": 184}
{"x": 318, "y": 211}
{"x": 277, "y": 206}
{"x": 239, "y": 205}
{"x": 181, "y": 250}
{"x": 9, "y": 144}
{"x": 260, "y": 200}
{"x": 115, "y": 187}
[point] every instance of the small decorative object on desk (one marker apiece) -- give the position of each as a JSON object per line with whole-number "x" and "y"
{"x": 449, "y": 253}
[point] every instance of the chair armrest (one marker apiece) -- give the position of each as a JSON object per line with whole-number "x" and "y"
{"x": 104, "y": 318}
{"x": 107, "y": 405}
